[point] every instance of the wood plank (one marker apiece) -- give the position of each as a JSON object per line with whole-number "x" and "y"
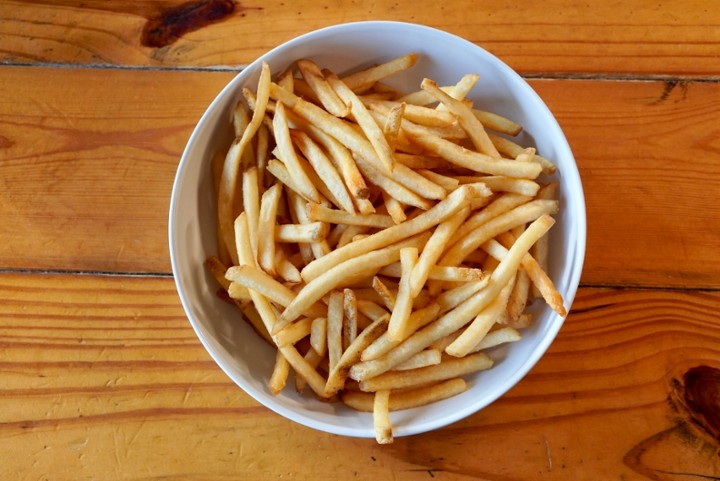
{"x": 643, "y": 37}
{"x": 649, "y": 161}
{"x": 102, "y": 378}
{"x": 87, "y": 161}
{"x": 103, "y": 145}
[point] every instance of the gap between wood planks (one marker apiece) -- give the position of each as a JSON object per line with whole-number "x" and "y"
{"x": 610, "y": 77}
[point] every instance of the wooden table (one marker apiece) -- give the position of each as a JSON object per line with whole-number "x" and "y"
{"x": 101, "y": 376}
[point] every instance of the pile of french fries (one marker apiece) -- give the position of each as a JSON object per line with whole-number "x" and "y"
{"x": 380, "y": 240}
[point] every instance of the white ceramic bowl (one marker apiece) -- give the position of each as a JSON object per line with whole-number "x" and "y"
{"x": 192, "y": 229}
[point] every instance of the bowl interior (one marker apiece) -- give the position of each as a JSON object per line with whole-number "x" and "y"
{"x": 445, "y": 58}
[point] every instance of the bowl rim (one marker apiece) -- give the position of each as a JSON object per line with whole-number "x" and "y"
{"x": 578, "y": 240}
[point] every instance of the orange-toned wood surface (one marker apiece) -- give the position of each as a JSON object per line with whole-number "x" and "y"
{"x": 101, "y": 375}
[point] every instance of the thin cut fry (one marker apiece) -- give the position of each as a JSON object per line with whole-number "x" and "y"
{"x": 403, "y": 301}
{"x": 407, "y": 399}
{"x": 381, "y": 417}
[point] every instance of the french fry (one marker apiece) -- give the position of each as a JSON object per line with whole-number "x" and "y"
{"x": 350, "y": 311}
{"x": 468, "y": 120}
{"x": 428, "y": 357}
{"x": 381, "y": 417}
{"x": 447, "y": 369}
{"x": 372, "y": 130}
{"x": 366, "y": 78}
{"x": 289, "y": 157}
{"x": 324, "y": 92}
{"x": 334, "y": 328}
{"x": 317, "y": 212}
{"x": 269, "y": 203}
{"x": 404, "y": 300}
{"x": 280, "y": 374}
{"x": 325, "y": 169}
{"x": 387, "y": 296}
{"x": 301, "y": 233}
{"x": 257, "y": 280}
{"x": 407, "y": 399}
{"x": 498, "y": 336}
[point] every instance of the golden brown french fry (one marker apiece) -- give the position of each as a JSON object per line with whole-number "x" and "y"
{"x": 295, "y": 332}
{"x": 539, "y": 277}
{"x": 498, "y": 336}
{"x": 404, "y": 300}
{"x": 447, "y": 369}
{"x": 300, "y": 233}
{"x": 280, "y": 373}
{"x": 373, "y": 132}
{"x": 288, "y": 155}
{"x": 318, "y": 335}
{"x": 541, "y": 248}
{"x": 468, "y": 120}
{"x": 366, "y": 78}
{"x": 387, "y": 296}
{"x": 391, "y": 129}
{"x": 407, "y": 399}
{"x": 317, "y": 212}
{"x": 428, "y": 357}
{"x": 381, "y": 417}
{"x": 334, "y": 328}
{"x": 251, "y": 203}
{"x": 444, "y": 181}
{"x": 269, "y": 203}
{"x": 511, "y": 149}
{"x": 324, "y": 92}
{"x": 498, "y": 123}
{"x": 500, "y": 183}
{"x": 350, "y": 324}
{"x": 325, "y": 170}
{"x": 258, "y": 280}
{"x": 394, "y": 208}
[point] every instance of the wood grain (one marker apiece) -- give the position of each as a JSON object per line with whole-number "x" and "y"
{"x": 87, "y": 161}
{"x": 102, "y": 147}
{"x": 640, "y": 37}
{"x": 102, "y": 375}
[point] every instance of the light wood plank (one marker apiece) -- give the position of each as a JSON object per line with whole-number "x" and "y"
{"x": 87, "y": 160}
{"x": 102, "y": 378}
{"x": 640, "y": 37}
